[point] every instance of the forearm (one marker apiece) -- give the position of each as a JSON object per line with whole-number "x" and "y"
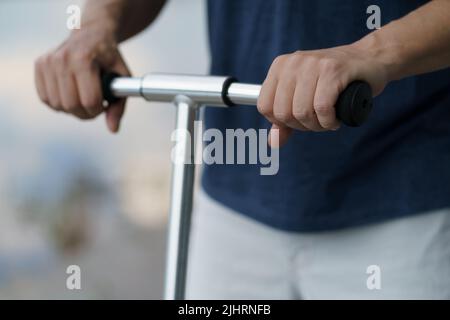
{"x": 417, "y": 43}
{"x": 124, "y": 18}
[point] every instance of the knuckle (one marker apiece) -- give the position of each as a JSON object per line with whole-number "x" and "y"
{"x": 39, "y": 62}
{"x": 264, "y": 107}
{"x": 46, "y": 59}
{"x": 330, "y": 65}
{"x": 91, "y": 102}
{"x": 323, "y": 109}
{"x": 81, "y": 56}
{"x": 280, "y": 59}
{"x": 302, "y": 115}
{"x": 278, "y": 62}
{"x": 300, "y": 55}
{"x": 43, "y": 62}
{"x": 290, "y": 68}
{"x": 61, "y": 56}
{"x": 308, "y": 58}
{"x": 283, "y": 116}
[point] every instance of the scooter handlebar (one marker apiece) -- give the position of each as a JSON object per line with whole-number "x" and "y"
{"x": 353, "y": 106}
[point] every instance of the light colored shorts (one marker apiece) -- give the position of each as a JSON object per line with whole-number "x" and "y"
{"x": 235, "y": 257}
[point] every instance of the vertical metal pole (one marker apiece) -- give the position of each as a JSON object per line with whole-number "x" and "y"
{"x": 183, "y": 170}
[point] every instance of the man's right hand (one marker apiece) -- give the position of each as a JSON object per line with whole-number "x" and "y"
{"x": 68, "y": 77}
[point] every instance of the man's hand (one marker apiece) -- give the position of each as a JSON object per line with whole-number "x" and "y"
{"x": 68, "y": 78}
{"x": 301, "y": 88}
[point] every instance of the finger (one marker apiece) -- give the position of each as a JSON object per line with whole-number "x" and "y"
{"x": 40, "y": 82}
{"x": 266, "y": 97}
{"x": 69, "y": 96}
{"x": 68, "y": 92}
{"x": 325, "y": 99}
{"x": 302, "y": 105}
{"x": 88, "y": 84}
{"x": 51, "y": 85}
{"x": 114, "y": 114}
{"x": 283, "y": 106}
{"x": 279, "y": 135}
{"x": 67, "y": 89}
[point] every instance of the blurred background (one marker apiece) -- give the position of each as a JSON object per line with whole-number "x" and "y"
{"x": 70, "y": 192}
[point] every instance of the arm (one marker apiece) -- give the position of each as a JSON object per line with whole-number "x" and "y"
{"x": 301, "y": 88}
{"x": 417, "y": 43}
{"x": 67, "y": 78}
{"x": 127, "y": 18}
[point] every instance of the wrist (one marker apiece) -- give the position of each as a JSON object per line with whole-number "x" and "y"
{"x": 103, "y": 20}
{"x": 384, "y": 52}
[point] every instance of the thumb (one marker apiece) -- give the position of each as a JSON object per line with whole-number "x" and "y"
{"x": 114, "y": 114}
{"x": 116, "y": 110}
{"x": 279, "y": 135}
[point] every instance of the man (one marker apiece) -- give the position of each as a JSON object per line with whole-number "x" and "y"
{"x": 353, "y": 212}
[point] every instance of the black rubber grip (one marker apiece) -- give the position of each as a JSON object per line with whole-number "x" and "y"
{"x": 106, "y": 79}
{"x": 354, "y": 104}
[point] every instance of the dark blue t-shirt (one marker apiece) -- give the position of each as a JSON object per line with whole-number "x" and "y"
{"x": 397, "y": 164}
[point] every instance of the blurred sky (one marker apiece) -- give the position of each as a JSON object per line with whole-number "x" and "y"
{"x": 42, "y": 153}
